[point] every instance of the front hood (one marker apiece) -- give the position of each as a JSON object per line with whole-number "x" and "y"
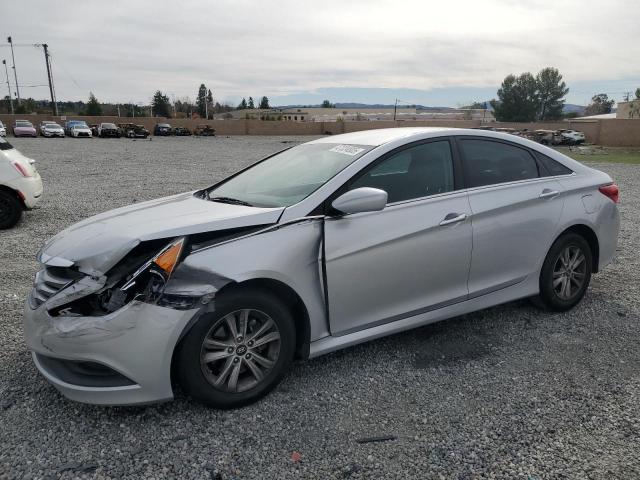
{"x": 99, "y": 242}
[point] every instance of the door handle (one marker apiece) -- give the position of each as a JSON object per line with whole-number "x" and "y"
{"x": 548, "y": 193}
{"x": 453, "y": 218}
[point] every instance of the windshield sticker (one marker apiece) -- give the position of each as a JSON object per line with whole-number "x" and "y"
{"x": 347, "y": 150}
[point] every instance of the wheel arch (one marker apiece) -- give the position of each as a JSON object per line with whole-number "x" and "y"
{"x": 590, "y": 236}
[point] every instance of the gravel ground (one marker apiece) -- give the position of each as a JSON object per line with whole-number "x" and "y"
{"x": 508, "y": 392}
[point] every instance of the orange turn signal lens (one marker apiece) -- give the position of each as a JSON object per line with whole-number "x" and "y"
{"x": 168, "y": 259}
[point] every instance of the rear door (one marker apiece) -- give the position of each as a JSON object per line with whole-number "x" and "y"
{"x": 515, "y": 210}
{"x": 409, "y": 258}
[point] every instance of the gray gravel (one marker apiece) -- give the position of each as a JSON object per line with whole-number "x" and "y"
{"x": 508, "y": 392}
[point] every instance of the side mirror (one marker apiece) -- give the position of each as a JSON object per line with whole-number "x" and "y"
{"x": 364, "y": 199}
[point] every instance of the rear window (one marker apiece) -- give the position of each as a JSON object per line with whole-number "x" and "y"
{"x": 488, "y": 163}
{"x": 551, "y": 167}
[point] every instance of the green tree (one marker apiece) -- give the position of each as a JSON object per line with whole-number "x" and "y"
{"x": 327, "y": 104}
{"x": 251, "y": 105}
{"x": 161, "y": 105}
{"x": 551, "y": 93}
{"x": 638, "y": 93}
{"x": 599, "y": 104}
{"x": 242, "y": 105}
{"x": 209, "y": 104}
{"x": 93, "y": 107}
{"x": 264, "y": 103}
{"x": 517, "y": 99}
{"x": 201, "y": 100}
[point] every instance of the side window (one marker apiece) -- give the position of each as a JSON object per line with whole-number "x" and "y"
{"x": 551, "y": 166}
{"x": 415, "y": 172}
{"x": 487, "y": 163}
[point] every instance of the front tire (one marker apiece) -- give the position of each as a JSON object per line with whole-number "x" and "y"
{"x": 238, "y": 353}
{"x": 10, "y": 210}
{"x": 565, "y": 274}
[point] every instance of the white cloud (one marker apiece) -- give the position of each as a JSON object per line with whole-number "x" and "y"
{"x": 125, "y": 50}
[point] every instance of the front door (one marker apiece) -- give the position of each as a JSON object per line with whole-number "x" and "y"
{"x": 409, "y": 258}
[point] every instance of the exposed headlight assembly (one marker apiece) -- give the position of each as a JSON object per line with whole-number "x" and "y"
{"x": 147, "y": 283}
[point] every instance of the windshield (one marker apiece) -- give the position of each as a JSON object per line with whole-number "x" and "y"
{"x": 52, "y": 125}
{"x": 108, "y": 125}
{"x": 23, "y": 123}
{"x": 164, "y": 125}
{"x": 290, "y": 176}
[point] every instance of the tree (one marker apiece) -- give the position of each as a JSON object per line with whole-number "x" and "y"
{"x": 93, "y": 107}
{"x": 161, "y": 105}
{"x": 264, "y": 103}
{"x": 209, "y": 104}
{"x": 517, "y": 99}
{"x": 599, "y": 104}
{"x": 251, "y": 105}
{"x": 201, "y": 100}
{"x": 242, "y": 105}
{"x": 551, "y": 93}
{"x": 327, "y": 104}
{"x": 477, "y": 106}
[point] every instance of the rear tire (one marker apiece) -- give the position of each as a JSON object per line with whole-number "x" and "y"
{"x": 565, "y": 274}
{"x": 10, "y": 210}
{"x": 223, "y": 367}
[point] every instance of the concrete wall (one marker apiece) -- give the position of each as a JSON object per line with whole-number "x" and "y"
{"x": 607, "y": 132}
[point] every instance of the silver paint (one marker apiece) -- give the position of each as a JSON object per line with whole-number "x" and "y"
{"x": 412, "y": 263}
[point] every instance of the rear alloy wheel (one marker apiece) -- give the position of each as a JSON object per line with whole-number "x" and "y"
{"x": 10, "y": 210}
{"x": 237, "y": 354}
{"x": 565, "y": 274}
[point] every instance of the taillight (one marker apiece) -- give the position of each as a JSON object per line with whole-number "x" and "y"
{"x": 611, "y": 191}
{"x": 23, "y": 171}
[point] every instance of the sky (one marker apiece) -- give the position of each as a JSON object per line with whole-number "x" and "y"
{"x": 300, "y": 52}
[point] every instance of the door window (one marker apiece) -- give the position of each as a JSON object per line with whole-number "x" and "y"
{"x": 415, "y": 172}
{"x": 488, "y": 163}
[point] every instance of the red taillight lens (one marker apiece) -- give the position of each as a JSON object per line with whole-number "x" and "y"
{"x": 23, "y": 171}
{"x": 611, "y": 191}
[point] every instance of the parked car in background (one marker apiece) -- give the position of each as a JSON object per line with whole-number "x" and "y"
{"x": 319, "y": 247}
{"x": 24, "y": 128}
{"x": 131, "y": 130}
{"x": 181, "y": 132}
{"x": 162, "y": 130}
{"x": 20, "y": 184}
{"x": 108, "y": 130}
{"x": 70, "y": 123}
{"x": 571, "y": 137}
{"x": 79, "y": 130}
{"x": 204, "y": 131}
{"x": 3, "y": 130}
{"x": 51, "y": 129}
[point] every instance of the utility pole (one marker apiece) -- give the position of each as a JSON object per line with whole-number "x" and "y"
{"x": 54, "y": 104}
{"x": 4, "y": 62}
{"x": 15, "y": 73}
{"x": 395, "y": 108}
{"x": 118, "y": 106}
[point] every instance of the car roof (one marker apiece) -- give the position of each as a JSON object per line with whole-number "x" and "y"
{"x": 379, "y": 136}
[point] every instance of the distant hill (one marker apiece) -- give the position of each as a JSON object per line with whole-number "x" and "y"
{"x": 568, "y": 107}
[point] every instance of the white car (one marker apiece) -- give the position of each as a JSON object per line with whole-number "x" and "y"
{"x": 81, "y": 131}
{"x": 20, "y": 185}
{"x": 571, "y": 137}
{"x": 3, "y": 130}
{"x": 51, "y": 129}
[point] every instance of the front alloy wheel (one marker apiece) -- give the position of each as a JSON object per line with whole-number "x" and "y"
{"x": 236, "y": 354}
{"x": 239, "y": 350}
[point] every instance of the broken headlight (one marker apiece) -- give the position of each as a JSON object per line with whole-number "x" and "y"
{"x": 147, "y": 282}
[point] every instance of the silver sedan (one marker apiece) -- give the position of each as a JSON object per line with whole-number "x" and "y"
{"x": 321, "y": 246}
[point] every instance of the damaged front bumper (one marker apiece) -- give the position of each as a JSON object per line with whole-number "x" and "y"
{"x": 123, "y": 358}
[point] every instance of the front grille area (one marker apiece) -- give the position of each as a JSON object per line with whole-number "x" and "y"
{"x": 50, "y": 281}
